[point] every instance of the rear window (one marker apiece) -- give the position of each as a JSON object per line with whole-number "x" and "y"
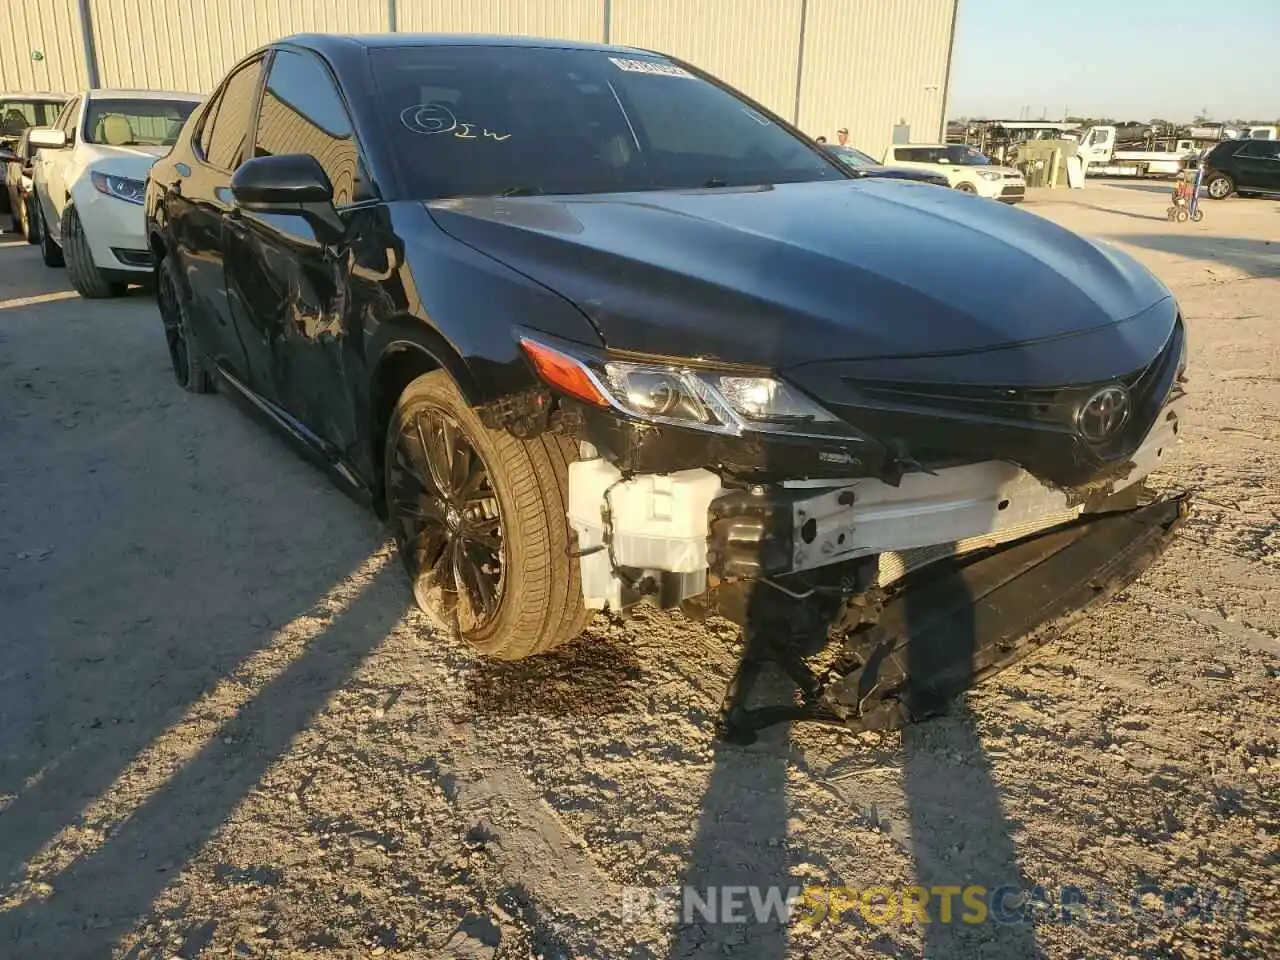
{"x": 17, "y": 115}
{"x": 136, "y": 123}
{"x": 476, "y": 121}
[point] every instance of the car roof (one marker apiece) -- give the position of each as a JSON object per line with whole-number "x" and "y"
{"x": 931, "y": 146}
{"x": 112, "y": 93}
{"x": 338, "y": 43}
{"x": 45, "y": 95}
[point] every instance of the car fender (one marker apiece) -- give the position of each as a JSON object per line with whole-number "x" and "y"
{"x": 408, "y": 333}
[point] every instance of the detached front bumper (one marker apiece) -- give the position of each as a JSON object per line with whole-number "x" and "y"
{"x": 674, "y": 533}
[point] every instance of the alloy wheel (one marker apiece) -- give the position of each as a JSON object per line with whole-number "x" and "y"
{"x": 1219, "y": 187}
{"x": 447, "y": 520}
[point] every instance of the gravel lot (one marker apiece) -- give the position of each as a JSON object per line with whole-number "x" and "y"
{"x": 224, "y": 732}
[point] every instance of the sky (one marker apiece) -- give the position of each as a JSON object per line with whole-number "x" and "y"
{"x": 1127, "y": 60}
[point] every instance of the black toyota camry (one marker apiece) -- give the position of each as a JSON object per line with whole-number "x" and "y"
{"x": 588, "y": 325}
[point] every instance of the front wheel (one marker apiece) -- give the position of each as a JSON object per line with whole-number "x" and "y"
{"x": 1220, "y": 186}
{"x": 85, "y": 275}
{"x": 479, "y": 520}
{"x": 1197, "y": 216}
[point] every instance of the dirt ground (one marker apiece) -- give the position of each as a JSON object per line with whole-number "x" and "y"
{"x": 223, "y": 732}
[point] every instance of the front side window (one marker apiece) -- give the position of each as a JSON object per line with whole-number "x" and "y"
{"x": 1259, "y": 149}
{"x": 66, "y": 121}
{"x": 135, "y": 123}
{"x": 302, "y": 112}
{"x": 962, "y": 155}
{"x": 226, "y": 125}
{"x": 483, "y": 120}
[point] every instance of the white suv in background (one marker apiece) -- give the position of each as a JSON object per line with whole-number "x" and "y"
{"x": 90, "y": 178}
{"x": 964, "y": 167}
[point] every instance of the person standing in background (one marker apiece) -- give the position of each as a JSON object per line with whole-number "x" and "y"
{"x": 842, "y": 136}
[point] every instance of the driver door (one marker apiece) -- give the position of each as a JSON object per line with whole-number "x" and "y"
{"x": 288, "y": 288}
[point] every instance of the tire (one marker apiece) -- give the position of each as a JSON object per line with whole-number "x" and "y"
{"x": 966, "y": 188}
{"x": 30, "y": 223}
{"x": 85, "y": 275}
{"x": 1183, "y": 216}
{"x": 190, "y": 369}
{"x": 1219, "y": 186}
{"x": 506, "y": 513}
{"x": 1197, "y": 216}
{"x": 50, "y": 252}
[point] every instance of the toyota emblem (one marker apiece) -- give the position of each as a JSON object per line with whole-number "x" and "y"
{"x": 1104, "y": 414}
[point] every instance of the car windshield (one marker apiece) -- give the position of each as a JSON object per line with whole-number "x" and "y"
{"x": 851, "y": 157}
{"x": 136, "y": 123}
{"x": 17, "y": 115}
{"x": 965, "y": 156}
{"x": 501, "y": 120}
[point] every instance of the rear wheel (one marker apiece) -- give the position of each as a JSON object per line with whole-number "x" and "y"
{"x": 1220, "y": 186}
{"x": 479, "y": 520}
{"x": 27, "y": 220}
{"x": 50, "y": 252}
{"x": 185, "y": 356}
{"x": 85, "y": 275}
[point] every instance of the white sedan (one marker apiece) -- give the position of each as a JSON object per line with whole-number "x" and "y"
{"x": 90, "y": 183}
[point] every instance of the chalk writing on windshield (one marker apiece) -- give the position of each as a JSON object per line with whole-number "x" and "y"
{"x": 434, "y": 118}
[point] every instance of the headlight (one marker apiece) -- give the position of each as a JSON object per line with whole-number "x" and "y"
{"x": 988, "y": 175}
{"x": 122, "y": 188}
{"x": 715, "y": 401}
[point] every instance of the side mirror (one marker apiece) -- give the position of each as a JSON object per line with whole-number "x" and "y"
{"x": 48, "y": 138}
{"x": 289, "y": 183}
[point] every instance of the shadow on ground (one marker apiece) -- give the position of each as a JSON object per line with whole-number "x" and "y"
{"x": 1257, "y": 258}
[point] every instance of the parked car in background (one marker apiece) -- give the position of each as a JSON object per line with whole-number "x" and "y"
{"x": 965, "y": 168}
{"x": 1245, "y": 167}
{"x": 90, "y": 182}
{"x": 18, "y": 113}
{"x": 864, "y": 165}
{"x": 18, "y": 187}
{"x": 589, "y": 326}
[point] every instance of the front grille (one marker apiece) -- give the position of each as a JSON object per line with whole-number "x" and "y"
{"x": 1015, "y": 191}
{"x": 133, "y": 258}
{"x": 1149, "y": 389}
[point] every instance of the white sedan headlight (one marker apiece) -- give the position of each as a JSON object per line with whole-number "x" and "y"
{"x": 988, "y": 175}
{"x": 122, "y": 188}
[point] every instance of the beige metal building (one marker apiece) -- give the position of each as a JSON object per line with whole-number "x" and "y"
{"x": 863, "y": 64}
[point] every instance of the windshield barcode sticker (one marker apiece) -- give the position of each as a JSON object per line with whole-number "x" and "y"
{"x": 653, "y": 67}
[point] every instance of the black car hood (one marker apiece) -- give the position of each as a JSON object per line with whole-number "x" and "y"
{"x": 780, "y": 276}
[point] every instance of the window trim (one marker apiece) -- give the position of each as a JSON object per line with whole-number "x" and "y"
{"x": 214, "y": 105}
{"x": 361, "y": 156}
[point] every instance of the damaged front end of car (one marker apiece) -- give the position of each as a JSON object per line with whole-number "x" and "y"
{"x": 888, "y": 548}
